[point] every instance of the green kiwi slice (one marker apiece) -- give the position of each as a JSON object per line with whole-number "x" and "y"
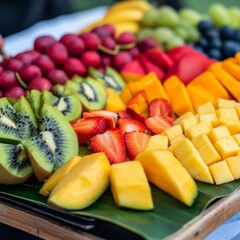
{"x": 54, "y": 145}
{"x": 34, "y": 97}
{"x": 15, "y": 166}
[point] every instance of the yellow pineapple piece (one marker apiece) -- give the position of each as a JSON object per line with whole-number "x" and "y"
{"x": 182, "y": 117}
{"x": 237, "y": 138}
{"x": 226, "y": 147}
{"x": 221, "y": 172}
{"x": 167, "y": 173}
{"x": 156, "y": 142}
{"x": 225, "y": 103}
{"x": 188, "y": 123}
{"x": 200, "y": 128}
{"x": 206, "y": 108}
{"x": 218, "y": 133}
{"x": 173, "y": 132}
{"x": 210, "y": 117}
{"x": 129, "y": 186}
{"x": 205, "y": 176}
{"x": 234, "y": 166}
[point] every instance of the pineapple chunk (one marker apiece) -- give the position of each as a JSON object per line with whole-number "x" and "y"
{"x": 226, "y": 147}
{"x": 234, "y": 166}
{"x": 188, "y": 123}
{"x": 225, "y": 103}
{"x": 156, "y": 142}
{"x": 178, "y": 121}
{"x": 218, "y": 133}
{"x": 221, "y": 172}
{"x": 130, "y": 186}
{"x": 173, "y": 132}
{"x": 167, "y": 173}
{"x": 206, "y": 108}
{"x": 202, "y": 127}
{"x": 210, "y": 117}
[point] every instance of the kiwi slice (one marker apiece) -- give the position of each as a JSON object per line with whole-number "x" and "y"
{"x": 15, "y": 167}
{"x": 91, "y": 93}
{"x": 111, "y": 78}
{"x": 34, "y": 97}
{"x": 77, "y": 79}
{"x": 54, "y": 145}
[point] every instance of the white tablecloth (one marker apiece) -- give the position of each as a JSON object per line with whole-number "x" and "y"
{"x": 21, "y": 41}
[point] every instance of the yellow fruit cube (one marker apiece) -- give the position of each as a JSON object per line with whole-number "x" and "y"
{"x": 226, "y": 147}
{"x": 185, "y": 115}
{"x": 177, "y": 139}
{"x": 218, "y": 133}
{"x": 233, "y": 127}
{"x": 175, "y": 142}
{"x": 156, "y": 142}
{"x": 225, "y": 103}
{"x": 206, "y": 108}
{"x": 200, "y": 140}
{"x": 210, "y": 117}
{"x": 226, "y": 115}
{"x": 234, "y": 166}
{"x": 197, "y": 117}
{"x": 237, "y": 108}
{"x": 188, "y": 123}
{"x": 114, "y": 101}
{"x": 200, "y": 128}
{"x": 173, "y": 132}
{"x": 167, "y": 173}
{"x": 130, "y": 187}
{"x": 221, "y": 172}
{"x": 237, "y": 138}
{"x": 205, "y": 176}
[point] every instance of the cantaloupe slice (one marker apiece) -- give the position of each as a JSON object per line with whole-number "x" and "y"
{"x": 167, "y": 173}
{"x": 83, "y": 185}
{"x": 130, "y": 186}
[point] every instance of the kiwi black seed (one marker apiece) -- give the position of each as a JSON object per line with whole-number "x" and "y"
{"x": 55, "y": 144}
{"x": 15, "y": 166}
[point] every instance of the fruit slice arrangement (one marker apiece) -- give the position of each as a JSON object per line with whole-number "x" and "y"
{"x": 33, "y": 145}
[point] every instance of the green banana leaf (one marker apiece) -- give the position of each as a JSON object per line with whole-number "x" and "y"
{"x": 168, "y": 216}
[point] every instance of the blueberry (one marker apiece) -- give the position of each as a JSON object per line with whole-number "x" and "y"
{"x": 202, "y": 42}
{"x": 204, "y": 25}
{"x": 237, "y": 36}
{"x": 199, "y": 48}
{"x": 230, "y": 48}
{"x": 227, "y": 32}
{"x": 211, "y": 33}
{"x": 214, "y": 53}
{"x": 215, "y": 43}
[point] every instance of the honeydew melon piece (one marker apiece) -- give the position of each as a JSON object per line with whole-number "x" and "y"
{"x": 218, "y": 133}
{"x": 130, "y": 186}
{"x": 83, "y": 185}
{"x": 221, "y": 172}
{"x": 167, "y": 173}
{"x": 234, "y": 166}
{"x": 156, "y": 142}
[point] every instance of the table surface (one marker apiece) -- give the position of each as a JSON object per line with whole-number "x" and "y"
{"x": 220, "y": 212}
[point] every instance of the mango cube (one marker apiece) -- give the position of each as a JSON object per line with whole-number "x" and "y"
{"x": 182, "y": 117}
{"x": 210, "y": 117}
{"x": 188, "y": 123}
{"x": 167, "y": 173}
{"x": 130, "y": 186}
{"x": 200, "y": 128}
{"x": 173, "y": 132}
{"x": 205, "y": 176}
{"x": 177, "y": 139}
{"x": 226, "y": 147}
{"x": 200, "y": 140}
{"x": 221, "y": 172}
{"x": 234, "y": 166}
{"x": 218, "y": 133}
{"x": 225, "y": 103}
{"x": 237, "y": 108}
{"x": 156, "y": 142}
{"x": 227, "y": 115}
{"x": 206, "y": 108}
{"x": 237, "y": 138}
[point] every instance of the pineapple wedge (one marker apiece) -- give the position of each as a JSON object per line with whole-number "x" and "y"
{"x": 130, "y": 186}
{"x": 167, "y": 173}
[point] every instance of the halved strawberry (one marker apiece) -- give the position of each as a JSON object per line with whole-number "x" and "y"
{"x": 160, "y": 106}
{"x": 85, "y": 128}
{"x": 158, "y": 124}
{"x": 111, "y": 117}
{"x": 135, "y": 143}
{"x": 111, "y": 142}
{"x": 131, "y": 125}
{"x": 124, "y": 114}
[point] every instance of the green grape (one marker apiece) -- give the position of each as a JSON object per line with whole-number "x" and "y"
{"x": 181, "y": 32}
{"x": 219, "y": 14}
{"x": 163, "y": 34}
{"x": 190, "y": 15}
{"x": 150, "y": 18}
{"x": 234, "y": 14}
{"x": 145, "y": 33}
{"x": 193, "y": 35}
{"x": 167, "y": 17}
{"x": 174, "y": 42}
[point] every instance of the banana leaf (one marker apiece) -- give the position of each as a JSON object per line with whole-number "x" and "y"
{"x": 169, "y": 215}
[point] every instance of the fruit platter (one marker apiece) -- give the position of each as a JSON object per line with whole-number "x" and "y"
{"x": 131, "y": 124}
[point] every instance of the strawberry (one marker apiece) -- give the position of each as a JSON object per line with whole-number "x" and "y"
{"x": 160, "y": 106}
{"x": 135, "y": 143}
{"x": 85, "y": 128}
{"x": 131, "y": 125}
{"x": 111, "y": 142}
{"x": 123, "y": 114}
{"x": 158, "y": 124}
{"x": 111, "y": 117}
